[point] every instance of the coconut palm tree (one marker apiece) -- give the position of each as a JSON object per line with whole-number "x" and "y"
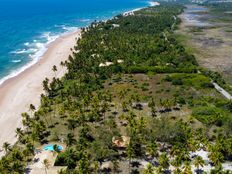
{"x": 18, "y": 167}
{"x": 177, "y": 161}
{"x": 46, "y": 164}
{"x": 26, "y": 121}
{"x": 122, "y": 94}
{"x": 130, "y": 154}
{"x": 177, "y": 171}
{"x": 152, "y": 148}
{"x": 105, "y": 107}
{"x": 187, "y": 168}
{"x": 198, "y": 162}
{"x": 153, "y": 111}
{"x": 62, "y": 171}
{"x": 30, "y": 148}
{"x": 175, "y": 151}
{"x": 27, "y": 152}
{"x": 6, "y": 146}
{"x": 54, "y": 69}
{"x": 4, "y": 165}
{"x": 62, "y": 64}
{"x": 96, "y": 166}
{"x": 83, "y": 164}
{"x": 159, "y": 170}
{"x": 151, "y": 104}
{"x": 33, "y": 137}
{"x": 193, "y": 144}
{"x": 31, "y": 108}
{"x": 228, "y": 145}
{"x": 219, "y": 170}
{"x": 72, "y": 124}
{"x": 56, "y": 149}
{"x": 46, "y": 86}
{"x": 125, "y": 106}
{"x": 164, "y": 161}
{"x": 215, "y": 155}
{"x": 149, "y": 169}
{"x": 19, "y": 133}
{"x": 70, "y": 140}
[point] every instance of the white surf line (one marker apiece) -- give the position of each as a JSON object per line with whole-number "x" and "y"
{"x": 222, "y": 91}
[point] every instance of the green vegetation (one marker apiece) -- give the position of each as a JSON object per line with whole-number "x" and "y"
{"x": 209, "y": 115}
{"x": 154, "y": 104}
{"x": 195, "y": 80}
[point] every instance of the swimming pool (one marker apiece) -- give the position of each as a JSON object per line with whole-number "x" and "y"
{"x": 51, "y": 147}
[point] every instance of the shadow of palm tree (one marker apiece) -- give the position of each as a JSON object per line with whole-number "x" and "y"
{"x": 135, "y": 164}
{"x": 106, "y": 170}
{"x": 134, "y": 171}
{"x": 168, "y": 172}
{"x": 27, "y": 170}
{"x": 199, "y": 171}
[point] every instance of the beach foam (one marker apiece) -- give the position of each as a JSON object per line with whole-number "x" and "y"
{"x": 36, "y": 50}
{"x": 25, "y": 51}
{"x": 16, "y": 61}
{"x": 70, "y": 29}
{"x": 131, "y": 12}
{"x": 85, "y": 20}
{"x": 19, "y": 51}
{"x": 26, "y": 44}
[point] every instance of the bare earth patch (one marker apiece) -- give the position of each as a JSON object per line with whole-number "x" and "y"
{"x": 212, "y": 46}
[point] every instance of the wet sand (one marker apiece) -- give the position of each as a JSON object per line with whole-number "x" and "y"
{"x": 17, "y": 93}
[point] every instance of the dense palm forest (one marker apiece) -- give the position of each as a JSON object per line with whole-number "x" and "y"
{"x": 152, "y": 96}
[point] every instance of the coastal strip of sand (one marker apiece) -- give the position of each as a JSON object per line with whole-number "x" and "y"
{"x": 17, "y": 93}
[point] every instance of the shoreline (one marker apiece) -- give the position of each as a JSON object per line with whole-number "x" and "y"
{"x": 131, "y": 12}
{"x": 24, "y": 88}
{"x": 37, "y": 56}
{"x": 17, "y": 93}
{"x": 35, "y": 60}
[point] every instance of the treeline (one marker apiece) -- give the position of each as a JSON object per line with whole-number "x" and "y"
{"x": 78, "y": 109}
{"x": 139, "y": 40}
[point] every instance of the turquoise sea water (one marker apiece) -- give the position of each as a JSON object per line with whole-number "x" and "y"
{"x": 27, "y": 26}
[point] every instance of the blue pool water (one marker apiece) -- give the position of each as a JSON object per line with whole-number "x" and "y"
{"x": 27, "y": 26}
{"x": 51, "y": 147}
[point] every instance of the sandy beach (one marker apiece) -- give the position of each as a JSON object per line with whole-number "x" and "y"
{"x": 16, "y": 94}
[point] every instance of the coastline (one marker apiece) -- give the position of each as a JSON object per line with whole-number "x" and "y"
{"x": 17, "y": 93}
{"x": 25, "y": 87}
{"x": 35, "y": 56}
{"x": 38, "y": 54}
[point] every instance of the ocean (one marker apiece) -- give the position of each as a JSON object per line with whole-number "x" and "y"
{"x": 28, "y": 26}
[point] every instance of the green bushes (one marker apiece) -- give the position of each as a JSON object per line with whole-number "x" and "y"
{"x": 67, "y": 158}
{"x": 195, "y": 80}
{"x": 158, "y": 69}
{"x": 210, "y": 115}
